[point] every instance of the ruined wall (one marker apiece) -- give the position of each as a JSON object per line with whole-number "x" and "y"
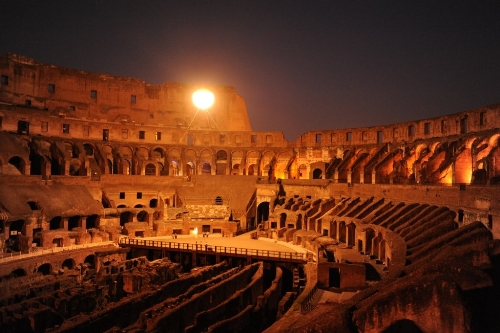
{"x": 80, "y": 94}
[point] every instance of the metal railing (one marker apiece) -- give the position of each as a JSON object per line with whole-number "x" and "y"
{"x": 307, "y": 304}
{"x": 36, "y": 251}
{"x": 215, "y": 249}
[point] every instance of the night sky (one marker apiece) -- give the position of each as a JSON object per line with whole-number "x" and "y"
{"x": 299, "y": 65}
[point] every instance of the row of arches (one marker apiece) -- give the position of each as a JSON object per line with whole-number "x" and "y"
{"x": 48, "y": 268}
{"x": 475, "y": 159}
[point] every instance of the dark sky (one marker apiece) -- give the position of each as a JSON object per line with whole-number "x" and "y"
{"x": 299, "y": 65}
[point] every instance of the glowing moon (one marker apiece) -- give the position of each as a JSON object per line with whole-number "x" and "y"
{"x": 203, "y": 98}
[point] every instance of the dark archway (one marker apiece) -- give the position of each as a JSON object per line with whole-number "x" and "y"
{"x": 263, "y": 212}
{"x": 74, "y": 222}
{"x": 91, "y": 221}
{"x": 68, "y": 264}
{"x": 317, "y": 174}
{"x": 142, "y": 216}
{"x": 404, "y": 325}
{"x": 90, "y": 261}
{"x": 18, "y": 272}
{"x": 153, "y": 203}
{"x": 126, "y": 217}
{"x": 56, "y": 223}
{"x": 150, "y": 170}
{"x": 45, "y": 269}
{"x": 18, "y": 163}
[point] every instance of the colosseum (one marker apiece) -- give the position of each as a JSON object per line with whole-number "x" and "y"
{"x": 124, "y": 208}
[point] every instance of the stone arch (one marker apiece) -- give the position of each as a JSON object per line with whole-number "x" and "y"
{"x": 150, "y": 169}
{"x": 252, "y": 162}
{"x": 19, "y": 272}
{"x": 74, "y": 222}
{"x": 403, "y": 325}
{"x": 175, "y": 162}
{"x": 206, "y": 168}
{"x": 282, "y": 220}
{"x": 68, "y": 264}
{"x": 282, "y": 166}
{"x": 56, "y": 223}
{"x": 342, "y": 232}
{"x": 252, "y": 170}
{"x": 235, "y": 170}
{"x": 267, "y": 164}
{"x": 153, "y": 203}
{"x": 369, "y": 236}
{"x": 381, "y": 250}
{"x": 190, "y": 169}
{"x": 89, "y": 149}
{"x": 92, "y": 221}
{"x": 262, "y": 212}
{"x": 236, "y": 162}
{"x": 107, "y": 153}
{"x": 317, "y": 173}
{"x": 221, "y": 161}
{"x": 45, "y": 269}
{"x": 126, "y": 217}
{"x": 143, "y": 216}
{"x": 299, "y": 222}
{"x": 124, "y": 160}
{"x": 333, "y": 230}
{"x": 89, "y": 261}
{"x": 16, "y": 165}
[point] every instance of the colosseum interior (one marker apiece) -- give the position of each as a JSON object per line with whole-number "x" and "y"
{"x": 124, "y": 208}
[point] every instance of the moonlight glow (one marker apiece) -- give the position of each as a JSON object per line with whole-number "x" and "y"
{"x": 203, "y": 99}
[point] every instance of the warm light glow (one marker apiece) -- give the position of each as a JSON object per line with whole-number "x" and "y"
{"x": 203, "y": 99}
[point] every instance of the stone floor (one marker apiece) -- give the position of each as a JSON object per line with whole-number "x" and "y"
{"x": 241, "y": 241}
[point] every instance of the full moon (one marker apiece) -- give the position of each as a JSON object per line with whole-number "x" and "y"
{"x": 203, "y": 98}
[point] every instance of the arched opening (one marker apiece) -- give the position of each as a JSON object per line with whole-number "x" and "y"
{"x": 90, "y": 261}
{"x": 299, "y": 222}
{"x": 150, "y": 170}
{"x": 127, "y": 169}
{"x": 110, "y": 166}
{"x": 139, "y": 206}
{"x": 404, "y": 325}
{"x": 262, "y": 212}
{"x": 175, "y": 169}
{"x": 218, "y": 201}
{"x": 236, "y": 170}
{"x": 18, "y": 273}
{"x": 74, "y": 222}
{"x": 18, "y": 164}
{"x": 142, "y": 216}
{"x": 56, "y": 223}
{"x": 91, "y": 222}
{"x": 16, "y": 227}
{"x": 333, "y": 229}
{"x": 45, "y": 269}
{"x": 342, "y": 232}
{"x": 68, "y": 264}
{"x": 153, "y": 203}
{"x": 126, "y": 217}
{"x": 89, "y": 150}
{"x": 190, "y": 169}
{"x": 370, "y": 234}
{"x": 317, "y": 174}
{"x": 282, "y": 220}
{"x": 251, "y": 170}
{"x": 206, "y": 168}
{"x": 351, "y": 233}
